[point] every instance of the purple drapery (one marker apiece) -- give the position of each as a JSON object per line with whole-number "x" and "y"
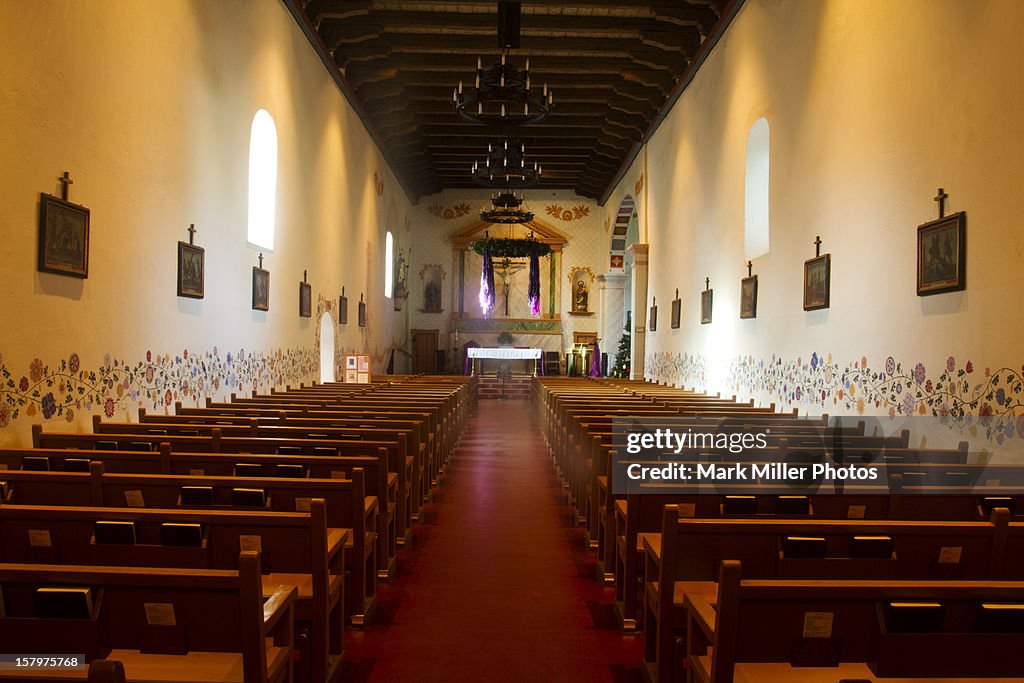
{"x": 487, "y": 285}
{"x": 595, "y": 362}
{"x": 533, "y": 292}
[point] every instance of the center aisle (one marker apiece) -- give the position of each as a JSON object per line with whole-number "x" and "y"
{"x": 497, "y": 586}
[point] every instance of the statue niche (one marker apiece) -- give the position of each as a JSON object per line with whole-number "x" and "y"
{"x": 580, "y": 280}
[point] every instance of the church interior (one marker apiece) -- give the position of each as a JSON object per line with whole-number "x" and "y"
{"x": 529, "y": 240}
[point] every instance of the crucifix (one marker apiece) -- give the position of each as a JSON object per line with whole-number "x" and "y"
{"x": 261, "y": 260}
{"x": 941, "y": 198}
{"x": 677, "y": 292}
{"x": 304, "y": 277}
{"x": 817, "y": 246}
{"x": 65, "y": 180}
{"x": 191, "y": 233}
{"x": 707, "y": 283}
{"x": 750, "y": 268}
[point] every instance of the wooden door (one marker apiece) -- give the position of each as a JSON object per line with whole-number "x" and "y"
{"x": 424, "y": 352}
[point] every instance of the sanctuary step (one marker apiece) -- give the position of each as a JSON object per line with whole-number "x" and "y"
{"x": 516, "y": 388}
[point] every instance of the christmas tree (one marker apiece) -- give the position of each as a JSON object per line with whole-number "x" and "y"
{"x": 621, "y": 366}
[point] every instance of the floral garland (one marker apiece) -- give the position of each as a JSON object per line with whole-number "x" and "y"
{"x": 506, "y": 247}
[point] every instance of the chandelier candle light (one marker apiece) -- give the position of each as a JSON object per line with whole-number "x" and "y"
{"x": 502, "y": 96}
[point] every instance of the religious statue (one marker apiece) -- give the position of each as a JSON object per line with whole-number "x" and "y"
{"x": 580, "y": 297}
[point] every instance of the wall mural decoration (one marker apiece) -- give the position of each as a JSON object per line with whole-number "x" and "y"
{"x": 450, "y": 213}
{"x": 63, "y": 389}
{"x": 980, "y": 403}
{"x": 562, "y": 213}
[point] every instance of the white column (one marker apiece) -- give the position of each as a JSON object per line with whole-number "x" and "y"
{"x": 611, "y": 312}
{"x": 639, "y": 307}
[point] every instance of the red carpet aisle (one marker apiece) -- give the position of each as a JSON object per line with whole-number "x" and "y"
{"x": 497, "y": 585}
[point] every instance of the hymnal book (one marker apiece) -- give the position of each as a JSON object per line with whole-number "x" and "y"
{"x": 248, "y": 469}
{"x": 291, "y": 471}
{"x": 114, "y": 532}
{"x": 989, "y": 503}
{"x": 35, "y": 463}
{"x": 4, "y": 490}
{"x": 803, "y": 547}
{"x": 792, "y": 505}
{"x": 63, "y": 603}
{"x": 178, "y": 534}
{"x": 996, "y": 617}
{"x": 914, "y": 617}
{"x": 196, "y": 495}
{"x": 289, "y": 450}
{"x": 739, "y": 505}
{"x": 76, "y": 465}
{"x": 872, "y": 547}
{"x": 251, "y": 498}
{"x": 106, "y": 445}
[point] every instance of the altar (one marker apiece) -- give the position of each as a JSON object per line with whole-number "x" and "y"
{"x": 476, "y": 355}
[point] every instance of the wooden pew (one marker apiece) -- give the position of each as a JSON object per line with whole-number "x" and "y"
{"x": 295, "y": 549}
{"x": 346, "y": 505}
{"x": 754, "y": 631}
{"x": 685, "y": 557}
{"x": 221, "y": 626}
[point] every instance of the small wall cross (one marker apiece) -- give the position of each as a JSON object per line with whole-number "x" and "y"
{"x": 261, "y": 259}
{"x": 941, "y": 198}
{"x": 65, "y": 180}
{"x": 817, "y": 246}
{"x": 750, "y": 268}
{"x": 707, "y": 283}
{"x": 191, "y": 233}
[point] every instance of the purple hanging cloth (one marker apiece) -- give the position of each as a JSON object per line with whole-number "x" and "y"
{"x": 595, "y": 362}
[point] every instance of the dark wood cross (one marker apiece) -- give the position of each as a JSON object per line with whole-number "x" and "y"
{"x": 707, "y": 283}
{"x": 343, "y": 291}
{"x": 304, "y": 276}
{"x": 750, "y": 268}
{"x": 65, "y": 180}
{"x": 817, "y": 246}
{"x": 261, "y": 259}
{"x": 191, "y": 233}
{"x": 941, "y": 198}
{"x": 654, "y": 301}
{"x": 360, "y": 297}
{"x": 677, "y": 292}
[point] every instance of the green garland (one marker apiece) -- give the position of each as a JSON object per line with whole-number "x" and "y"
{"x": 511, "y": 248}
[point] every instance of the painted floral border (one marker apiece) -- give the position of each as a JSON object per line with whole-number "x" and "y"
{"x": 63, "y": 389}
{"x": 981, "y": 403}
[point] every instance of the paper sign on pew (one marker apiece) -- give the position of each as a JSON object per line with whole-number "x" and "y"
{"x": 39, "y": 538}
{"x": 250, "y": 543}
{"x": 818, "y": 624}
{"x": 303, "y": 504}
{"x": 950, "y": 554}
{"x": 160, "y": 614}
{"x": 133, "y": 499}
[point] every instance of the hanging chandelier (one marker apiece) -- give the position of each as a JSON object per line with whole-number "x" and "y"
{"x": 506, "y": 208}
{"x": 506, "y": 167}
{"x": 502, "y": 96}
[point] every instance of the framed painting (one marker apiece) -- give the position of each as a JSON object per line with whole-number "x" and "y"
{"x": 817, "y": 282}
{"x": 191, "y": 271}
{"x": 748, "y": 297}
{"x": 941, "y": 255}
{"x": 260, "y": 289}
{"x": 362, "y": 314}
{"x": 707, "y": 301}
{"x": 677, "y": 310}
{"x": 63, "y": 237}
{"x": 652, "y": 317}
{"x": 343, "y": 310}
{"x": 305, "y": 300}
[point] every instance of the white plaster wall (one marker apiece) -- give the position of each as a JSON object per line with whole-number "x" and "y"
{"x": 873, "y": 105}
{"x": 149, "y": 106}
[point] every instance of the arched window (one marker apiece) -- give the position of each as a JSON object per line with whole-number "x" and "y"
{"x": 262, "y": 180}
{"x": 389, "y": 265}
{"x": 755, "y": 223}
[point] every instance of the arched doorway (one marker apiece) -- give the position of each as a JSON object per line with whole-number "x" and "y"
{"x": 326, "y": 348}
{"x": 616, "y": 283}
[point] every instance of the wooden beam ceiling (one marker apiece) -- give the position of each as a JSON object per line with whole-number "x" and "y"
{"x": 613, "y": 65}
